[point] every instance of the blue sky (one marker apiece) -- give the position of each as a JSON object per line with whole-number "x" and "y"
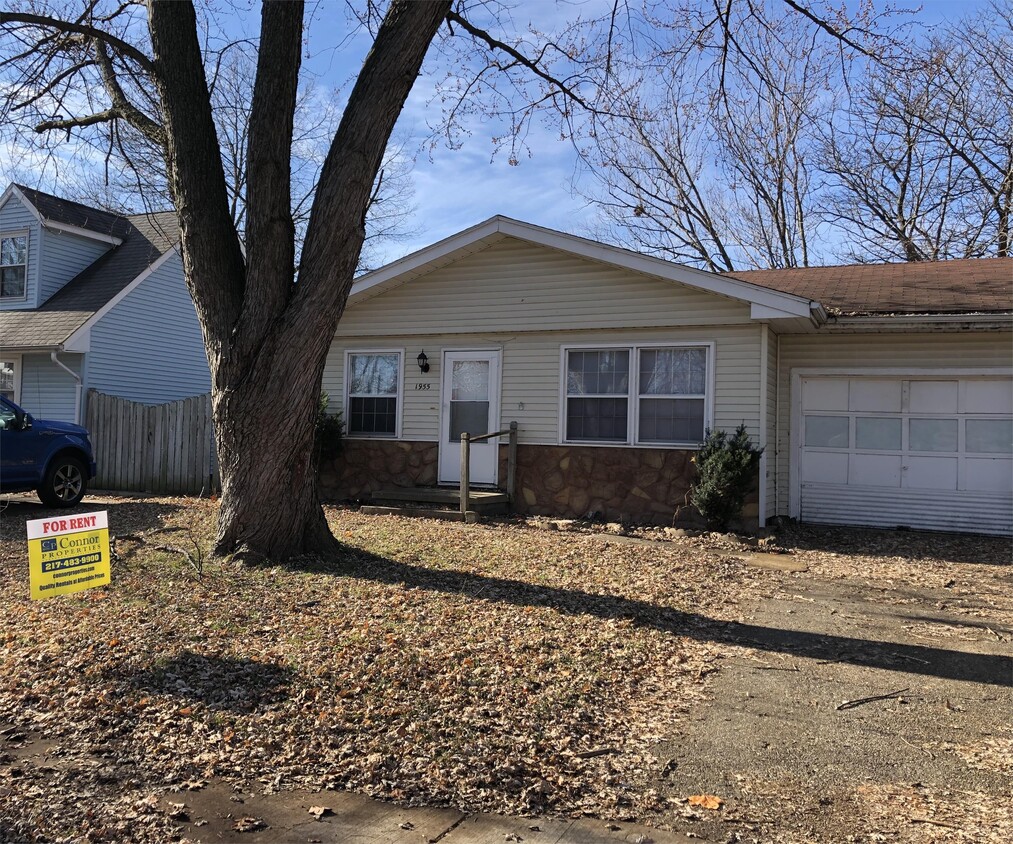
{"x": 455, "y": 189}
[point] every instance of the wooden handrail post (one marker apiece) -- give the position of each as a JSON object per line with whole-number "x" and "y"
{"x": 512, "y": 463}
{"x": 465, "y": 473}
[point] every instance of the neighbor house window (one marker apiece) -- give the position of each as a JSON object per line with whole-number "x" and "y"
{"x": 641, "y": 395}
{"x": 373, "y": 381}
{"x": 13, "y": 266}
{"x": 8, "y": 384}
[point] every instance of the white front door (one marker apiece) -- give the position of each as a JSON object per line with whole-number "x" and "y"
{"x": 469, "y": 403}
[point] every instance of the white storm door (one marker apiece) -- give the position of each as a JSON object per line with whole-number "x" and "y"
{"x": 469, "y": 402}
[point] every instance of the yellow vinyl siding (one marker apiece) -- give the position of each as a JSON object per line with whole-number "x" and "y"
{"x": 929, "y": 350}
{"x": 512, "y": 286}
{"x": 531, "y": 373}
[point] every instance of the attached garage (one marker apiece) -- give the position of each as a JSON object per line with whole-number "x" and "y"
{"x": 918, "y": 451}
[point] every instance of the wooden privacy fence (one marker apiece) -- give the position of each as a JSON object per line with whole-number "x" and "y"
{"x": 160, "y": 448}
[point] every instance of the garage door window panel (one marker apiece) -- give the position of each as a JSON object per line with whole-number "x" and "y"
{"x": 878, "y": 433}
{"x": 827, "y": 431}
{"x": 989, "y": 436}
{"x": 932, "y": 435}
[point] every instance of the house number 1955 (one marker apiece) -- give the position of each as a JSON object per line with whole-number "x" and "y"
{"x": 423, "y": 386}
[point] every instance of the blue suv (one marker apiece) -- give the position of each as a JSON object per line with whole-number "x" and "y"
{"x": 53, "y": 458}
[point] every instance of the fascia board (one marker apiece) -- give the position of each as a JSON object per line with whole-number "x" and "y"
{"x": 14, "y": 191}
{"x": 66, "y": 228}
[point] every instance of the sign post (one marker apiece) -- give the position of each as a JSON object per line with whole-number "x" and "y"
{"x": 68, "y": 553}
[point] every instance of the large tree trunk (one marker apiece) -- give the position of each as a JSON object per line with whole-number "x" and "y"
{"x": 267, "y": 337}
{"x": 264, "y": 425}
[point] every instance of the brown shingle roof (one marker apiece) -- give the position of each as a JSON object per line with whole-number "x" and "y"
{"x": 972, "y": 285}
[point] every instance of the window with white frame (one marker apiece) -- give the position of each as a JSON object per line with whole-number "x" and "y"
{"x": 8, "y": 379}
{"x": 372, "y": 400}
{"x": 639, "y": 394}
{"x": 13, "y": 266}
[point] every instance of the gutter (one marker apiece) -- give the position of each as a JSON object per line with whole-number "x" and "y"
{"x": 78, "y": 384}
{"x": 900, "y": 322}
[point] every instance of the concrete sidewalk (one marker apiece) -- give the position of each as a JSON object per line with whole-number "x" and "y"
{"x": 217, "y": 814}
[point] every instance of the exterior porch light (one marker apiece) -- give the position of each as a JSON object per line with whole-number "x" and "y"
{"x": 423, "y": 361}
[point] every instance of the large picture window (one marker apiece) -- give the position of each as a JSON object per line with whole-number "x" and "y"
{"x": 13, "y": 266}
{"x": 640, "y": 395}
{"x": 373, "y": 388}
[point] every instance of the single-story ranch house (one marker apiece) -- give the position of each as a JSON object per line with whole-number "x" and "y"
{"x": 881, "y": 394}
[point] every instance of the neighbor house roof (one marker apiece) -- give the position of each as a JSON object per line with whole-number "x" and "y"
{"x": 143, "y": 239}
{"x": 972, "y": 285}
{"x": 54, "y": 209}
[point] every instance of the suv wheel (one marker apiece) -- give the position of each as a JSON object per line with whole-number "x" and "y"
{"x": 65, "y": 482}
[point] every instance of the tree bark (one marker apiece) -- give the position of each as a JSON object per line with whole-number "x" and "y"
{"x": 266, "y": 335}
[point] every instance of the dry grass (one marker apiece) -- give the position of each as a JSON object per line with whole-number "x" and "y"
{"x": 487, "y": 667}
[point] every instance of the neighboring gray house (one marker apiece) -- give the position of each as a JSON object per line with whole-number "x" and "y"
{"x": 92, "y": 300}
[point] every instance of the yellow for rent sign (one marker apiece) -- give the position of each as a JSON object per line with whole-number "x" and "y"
{"x": 68, "y": 553}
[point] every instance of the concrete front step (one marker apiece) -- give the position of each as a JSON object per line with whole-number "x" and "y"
{"x": 446, "y": 515}
{"x": 437, "y": 503}
{"x": 447, "y": 496}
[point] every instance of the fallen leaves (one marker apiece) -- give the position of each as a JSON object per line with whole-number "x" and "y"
{"x": 705, "y": 801}
{"x": 248, "y": 823}
{"x": 320, "y": 811}
{"x": 488, "y": 667}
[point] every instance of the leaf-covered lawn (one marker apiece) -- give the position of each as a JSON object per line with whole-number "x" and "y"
{"x": 487, "y": 667}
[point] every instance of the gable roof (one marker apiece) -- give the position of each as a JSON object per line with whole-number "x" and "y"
{"x": 766, "y": 303}
{"x": 145, "y": 238}
{"x": 54, "y": 209}
{"x": 958, "y": 287}
{"x": 971, "y": 285}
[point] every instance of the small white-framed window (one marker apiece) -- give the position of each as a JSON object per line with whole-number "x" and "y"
{"x": 640, "y": 394}
{"x": 9, "y": 373}
{"x": 14, "y": 265}
{"x": 373, "y": 393}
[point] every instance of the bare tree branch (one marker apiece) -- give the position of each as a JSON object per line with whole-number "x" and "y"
{"x": 46, "y": 22}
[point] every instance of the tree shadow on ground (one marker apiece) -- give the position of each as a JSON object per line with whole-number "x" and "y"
{"x": 130, "y": 516}
{"x": 892, "y": 656}
{"x": 906, "y": 544}
{"x": 217, "y": 682}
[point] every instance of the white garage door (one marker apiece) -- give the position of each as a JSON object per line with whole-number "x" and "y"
{"x": 925, "y": 453}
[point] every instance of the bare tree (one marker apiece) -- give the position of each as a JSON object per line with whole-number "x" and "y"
{"x": 712, "y": 159}
{"x": 921, "y": 162}
{"x": 266, "y": 333}
{"x": 125, "y": 172}
{"x": 896, "y": 193}
{"x": 971, "y": 113}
